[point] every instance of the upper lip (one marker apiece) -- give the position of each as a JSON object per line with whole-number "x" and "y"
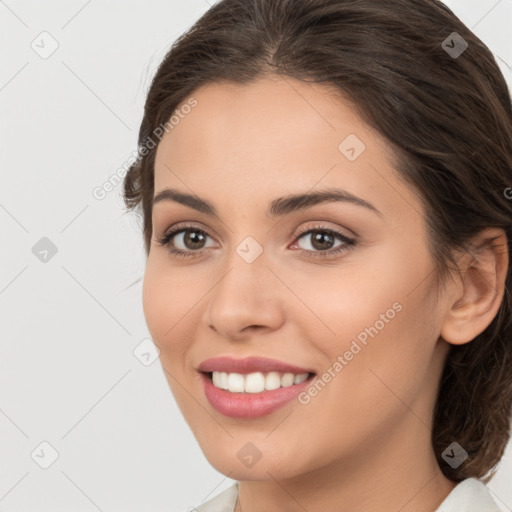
{"x": 248, "y": 365}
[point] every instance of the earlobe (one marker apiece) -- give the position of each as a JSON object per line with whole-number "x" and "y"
{"x": 479, "y": 289}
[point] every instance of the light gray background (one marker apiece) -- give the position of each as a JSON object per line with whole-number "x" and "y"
{"x": 69, "y": 326}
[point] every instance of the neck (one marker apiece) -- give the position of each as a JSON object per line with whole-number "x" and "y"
{"x": 392, "y": 473}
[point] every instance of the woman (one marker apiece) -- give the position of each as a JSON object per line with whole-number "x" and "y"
{"x": 324, "y": 187}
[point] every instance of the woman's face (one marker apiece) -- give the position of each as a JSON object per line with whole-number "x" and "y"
{"x": 338, "y": 288}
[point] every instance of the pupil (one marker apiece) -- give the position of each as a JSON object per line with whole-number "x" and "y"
{"x": 194, "y": 238}
{"x": 319, "y": 240}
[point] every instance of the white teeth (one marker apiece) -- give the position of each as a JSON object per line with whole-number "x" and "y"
{"x": 287, "y": 380}
{"x": 255, "y": 382}
{"x": 300, "y": 378}
{"x": 272, "y": 381}
{"x": 223, "y": 380}
{"x": 216, "y": 379}
{"x": 220, "y": 380}
{"x": 236, "y": 382}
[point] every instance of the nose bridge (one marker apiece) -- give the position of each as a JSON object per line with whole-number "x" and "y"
{"x": 245, "y": 295}
{"x": 249, "y": 250}
{"x": 246, "y": 277}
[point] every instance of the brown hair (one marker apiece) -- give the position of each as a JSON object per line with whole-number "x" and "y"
{"x": 447, "y": 116}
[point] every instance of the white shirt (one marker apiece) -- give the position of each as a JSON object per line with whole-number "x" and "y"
{"x": 470, "y": 495}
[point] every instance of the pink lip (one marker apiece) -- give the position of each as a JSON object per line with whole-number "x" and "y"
{"x": 250, "y": 405}
{"x": 248, "y": 365}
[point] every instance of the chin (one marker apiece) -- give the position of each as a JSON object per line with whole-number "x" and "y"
{"x": 237, "y": 464}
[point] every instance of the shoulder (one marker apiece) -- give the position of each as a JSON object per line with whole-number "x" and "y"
{"x": 223, "y": 502}
{"x": 470, "y": 495}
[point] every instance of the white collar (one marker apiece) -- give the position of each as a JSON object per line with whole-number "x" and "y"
{"x": 470, "y": 495}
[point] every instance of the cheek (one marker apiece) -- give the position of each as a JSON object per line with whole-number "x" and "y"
{"x": 152, "y": 302}
{"x": 380, "y": 324}
{"x": 386, "y": 360}
{"x": 357, "y": 296}
{"x": 166, "y": 302}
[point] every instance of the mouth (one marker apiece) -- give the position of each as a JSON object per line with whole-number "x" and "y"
{"x": 252, "y": 387}
{"x": 256, "y": 382}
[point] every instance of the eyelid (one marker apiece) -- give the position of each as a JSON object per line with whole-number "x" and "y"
{"x": 349, "y": 242}
{"x": 325, "y": 226}
{"x": 164, "y": 240}
{"x": 187, "y": 225}
{"x": 320, "y": 225}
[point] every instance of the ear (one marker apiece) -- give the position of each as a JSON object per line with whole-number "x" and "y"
{"x": 479, "y": 289}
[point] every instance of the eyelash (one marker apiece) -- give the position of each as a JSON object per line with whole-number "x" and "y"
{"x": 348, "y": 243}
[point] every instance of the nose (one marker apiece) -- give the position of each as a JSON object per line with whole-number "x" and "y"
{"x": 246, "y": 299}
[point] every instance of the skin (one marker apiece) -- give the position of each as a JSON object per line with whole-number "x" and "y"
{"x": 364, "y": 442}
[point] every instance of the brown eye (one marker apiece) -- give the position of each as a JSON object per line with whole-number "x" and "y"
{"x": 188, "y": 241}
{"x": 184, "y": 241}
{"x": 322, "y": 242}
{"x": 193, "y": 239}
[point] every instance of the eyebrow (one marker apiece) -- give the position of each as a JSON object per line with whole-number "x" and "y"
{"x": 277, "y": 208}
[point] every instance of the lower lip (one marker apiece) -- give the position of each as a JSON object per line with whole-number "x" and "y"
{"x": 250, "y": 405}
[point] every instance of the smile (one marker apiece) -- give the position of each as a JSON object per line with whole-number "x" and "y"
{"x": 251, "y": 387}
{"x": 256, "y": 382}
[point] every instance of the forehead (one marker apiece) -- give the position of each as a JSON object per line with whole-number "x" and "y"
{"x": 274, "y": 134}
{"x": 277, "y": 112}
